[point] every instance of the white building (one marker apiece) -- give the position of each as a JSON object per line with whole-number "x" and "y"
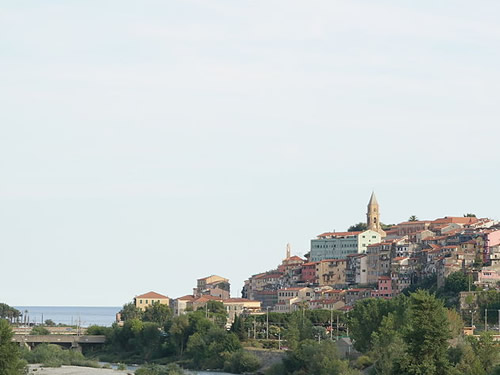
{"x": 338, "y": 245}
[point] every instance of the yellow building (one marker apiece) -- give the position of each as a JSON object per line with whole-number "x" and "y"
{"x": 145, "y": 300}
{"x": 237, "y": 306}
{"x": 331, "y": 272}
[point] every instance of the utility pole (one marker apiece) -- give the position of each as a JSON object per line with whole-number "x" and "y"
{"x": 347, "y": 326}
{"x": 485, "y": 319}
{"x": 267, "y": 323}
{"x": 254, "y": 329}
{"x": 279, "y": 339}
{"x": 331, "y": 323}
{"x": 337, "y": 327}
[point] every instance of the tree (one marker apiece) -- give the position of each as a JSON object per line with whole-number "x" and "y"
{"x": 50, "y": 323}
{"x": 157, "y": 313}
{"x": 456, "y": 282}
{"x": 238, "y": 327}
{"x": 129, "y": 311}
{"x": 242, "y": 362}
{"x": 485, "y": 349}
{"x": 10, "y": 362}
{"x": 412, "y": 218}
{"x": 469, "y": 215}
{"x": 312, "y": 357}
{"x": 366, "y": 318}
{"x": 426, "y": 337}
{"x": 388, "y": 346}
{"x": 359, "y": 227}
{"x": 179, "y": 332}
{"x": 7, "y": 312}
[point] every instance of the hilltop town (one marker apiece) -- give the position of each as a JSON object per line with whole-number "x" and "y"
{"x": 370, "y": 260}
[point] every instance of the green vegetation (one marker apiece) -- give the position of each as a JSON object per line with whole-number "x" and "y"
{"x": 417, "y": 333}
{"x": 10, "y": 357}
{"x": 159, "y": 370}
{"x": 10, "y": 313}
{"x": 312, "y": 357}
{"x": 240, "y": 362}
{"x": 51, "y": 355}
{"x": 411, "y": 335}
{"x": 39, "y": 330}
{"x": 359, "y": 227}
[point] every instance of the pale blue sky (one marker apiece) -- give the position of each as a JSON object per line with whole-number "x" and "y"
{"x": 145, "y": 144}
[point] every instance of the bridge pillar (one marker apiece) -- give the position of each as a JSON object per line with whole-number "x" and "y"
{"x": 76, "y": 347}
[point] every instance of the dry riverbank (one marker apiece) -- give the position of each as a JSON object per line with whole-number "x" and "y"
{"x": 74, "y": 370}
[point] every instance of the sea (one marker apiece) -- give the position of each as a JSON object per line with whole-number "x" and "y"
{"x": 83, "y": 316}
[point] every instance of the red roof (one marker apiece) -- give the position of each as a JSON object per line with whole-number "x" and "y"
{"x": 238, "y": 300}
{"x": 456, "y": 219}
{"x": 153, "y": 295}
{"x": 310, "y": 264}
{"x": 295, "y": 257}
{"x": 207, "y": 298}
{"x": 186, "y": 298}
{"x": 332, "y": 260}
{"x": 400, "y": 258}
{"x": 338, "y": 234}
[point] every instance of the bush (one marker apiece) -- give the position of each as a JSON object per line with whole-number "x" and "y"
{"x": 51, "y": 355}
{"x": 276, "y": 369}
{"x": 363, "y": 362}
{"x": 39, "y": 330}
{"x": 121, "y": 367}
{"x": 242, "y": 361}
{"x": 171, "y": 369}
{"x": 269, "y": 344}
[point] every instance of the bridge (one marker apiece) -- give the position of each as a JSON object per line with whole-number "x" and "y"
{"x": 71, "y": 341}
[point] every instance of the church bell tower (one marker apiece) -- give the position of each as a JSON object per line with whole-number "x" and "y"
{"x": 373, "y": 216}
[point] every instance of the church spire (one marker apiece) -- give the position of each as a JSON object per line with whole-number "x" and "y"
{"x": 373, "y": 215}
{"x": 373, "y": 200}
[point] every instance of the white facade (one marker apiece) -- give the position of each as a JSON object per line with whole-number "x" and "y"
{"x": 340, "y": 245}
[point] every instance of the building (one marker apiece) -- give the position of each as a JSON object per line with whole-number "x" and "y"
{"x": 356, "y": 269}
{"x": 379, "y": 261}
{"x": 214, "y": 285}
{"x": 238, "y": 306}
{"x": 373, "y": 216}
{"x": 332, "y": 272}
{"x": 308, "y": 273}
{"x": 356, "y": 294}
{"x": 183, "y": 304}
{"x": 147, "y": 299}
{"x": 338, "y": 245}
{"x": 290, "y": 298}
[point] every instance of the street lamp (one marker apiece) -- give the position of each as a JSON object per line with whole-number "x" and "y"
{"x": 267, "y": 323}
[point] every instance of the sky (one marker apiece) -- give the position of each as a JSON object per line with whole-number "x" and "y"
{"x": 144, "y": 145}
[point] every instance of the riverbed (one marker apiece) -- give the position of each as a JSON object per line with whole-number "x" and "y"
{"x": 75, "y": 370}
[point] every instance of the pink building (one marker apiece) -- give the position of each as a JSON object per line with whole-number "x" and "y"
{"x": 384, "y": 288}
{"x": 308, "y": 272}
{"x": 491, "y": 239}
